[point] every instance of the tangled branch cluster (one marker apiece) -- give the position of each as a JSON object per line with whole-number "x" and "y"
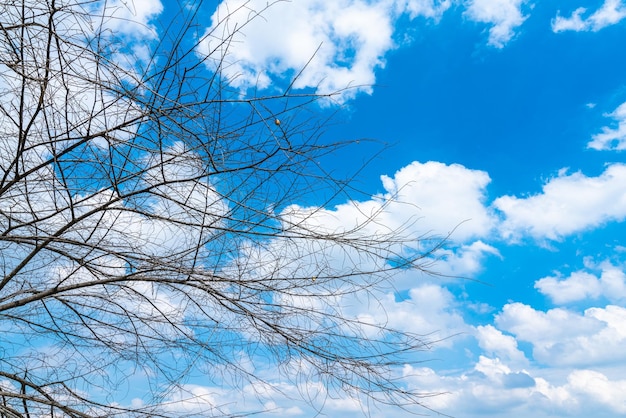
{"x": 147, "y": 226}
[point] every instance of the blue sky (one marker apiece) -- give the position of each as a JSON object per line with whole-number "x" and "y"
{"x": 503, "y": 121}
{"x": 504, "y": 113}
{"x": 507, "y": 115}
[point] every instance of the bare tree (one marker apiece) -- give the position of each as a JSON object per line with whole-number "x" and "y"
{"x": 149, "y": 226}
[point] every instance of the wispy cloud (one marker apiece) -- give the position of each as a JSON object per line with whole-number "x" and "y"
{"x": 505, "y": 16}
{"x": 612, "y": 138}
{"x": 610, "y": 13}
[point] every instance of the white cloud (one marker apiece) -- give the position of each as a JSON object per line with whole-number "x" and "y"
{"x": 610, "y": 13}
{"x": 612, "y": 138}
{"x": 494, "y": 342}
{"x": 196, "y": 400}
{"x": 500, "y": 373}
{"x": 505, "y": 16}
{"x": 429, "y": 310}
{"x": 352, "y": 37}
{"x": 129, "y": 18}
{"x": 574, "y": 22}
{"x": 596, "y": 388}
{"x": 336, "y": 44}
{"x": 578, "y": 286}
{"x": 465, "y": 260}
{"x": 534, "y": 326}
{"x": 564, "y": 338}
{"x": 450, "y": 198}
{"x": 582, "y": 285}
{"x": 613, "y": 281}
{"x": 128, "y": 27}
{"x": 568, "y": 204}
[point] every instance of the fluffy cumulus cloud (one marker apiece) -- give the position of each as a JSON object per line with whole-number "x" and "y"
{"x": 331, "y": 45}
{"x": 494, "y": 342}
{"x": 494, "y": 388}
{"x": 428, "y": 310}
{"x": 578, "y": 286}
{"x": 612, "y": 138}
{"x": 133, "y": 19}
{"x": 568, "y": 204}
{"x": 504, "y": 16}
{"x": 465, "y": 260}
{"x": 598, "y": 390}
{"x": 133, "y": 22}
{"x": 422, "y": 203}
{"x": 582, "y": 285}
{"x": 561, "y": 337}
{"x": 610, "y": 13}
{"x": 450, "y": 197}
